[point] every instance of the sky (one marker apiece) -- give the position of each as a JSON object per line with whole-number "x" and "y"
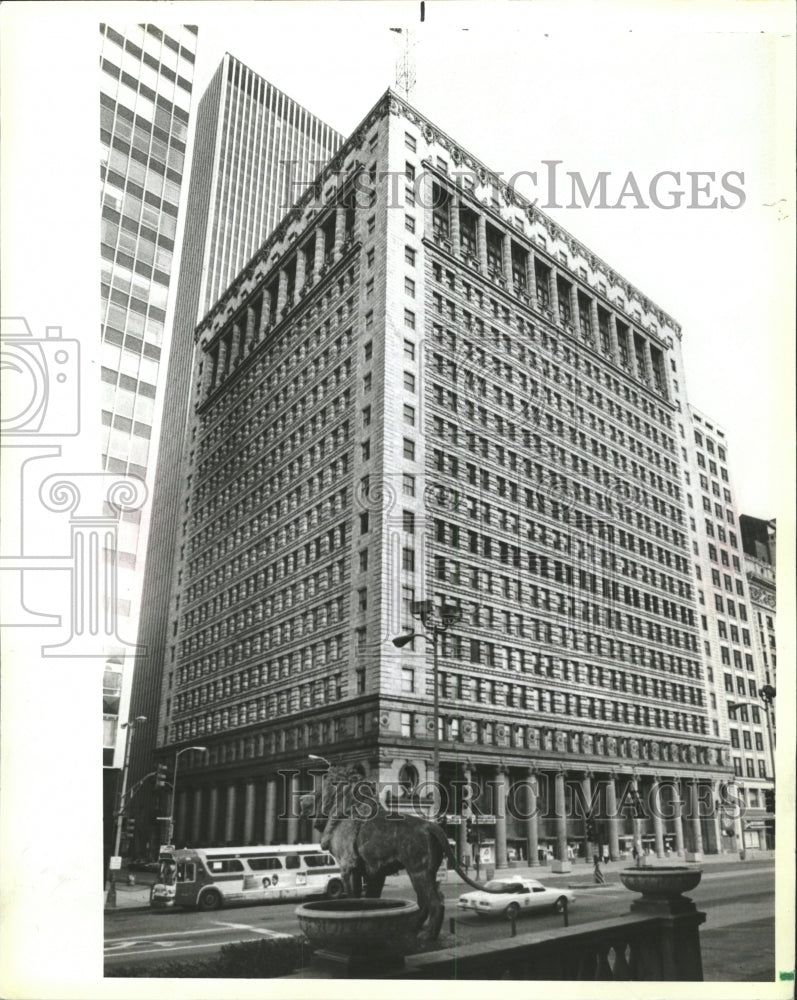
{"x": 599, "y": 88}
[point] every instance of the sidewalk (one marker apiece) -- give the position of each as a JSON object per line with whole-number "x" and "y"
{"x": 137, "y": 896}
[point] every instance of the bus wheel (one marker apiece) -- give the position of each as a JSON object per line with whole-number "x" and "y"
{"x": 334, "y": 888}
{"x": 210, "y": 900}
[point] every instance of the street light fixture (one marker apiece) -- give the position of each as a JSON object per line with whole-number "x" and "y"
{"x": 316, "y": 756}
{"x": 130, "y": 726}
{"x": 174, "y": 787}
{"x": 448, "y": 616}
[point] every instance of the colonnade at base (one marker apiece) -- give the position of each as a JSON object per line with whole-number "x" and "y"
{"x": 503, "y": 814}
{"x": 497, "y": 814}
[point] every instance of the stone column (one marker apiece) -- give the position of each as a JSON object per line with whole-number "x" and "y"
{"x": 614, "y": 344}
{"x": 532, "y": 819}
{"x": 614, "y": 819}
{"x": 453, "y": 224}
{"x": 320, "y": 248}
{"x": 229, "y": 819}
{"x": 553, "y": 288}
{"x": 678, "y": 821}
{"x": 301, "y": 267}
{"x": 251, "y": 334}
{"x": 282, "y": 292}
{"x": 648, "y": 361}
{"x": 180, "y": 823}
{"x": 265, "y": 312}
{"x": 586, "y": 788}
{"x": 271, "y": 811}
{"x": 249, "y": 812}
{"x": 340, "y": 229}
{"x": 561, "y": 817}
{"x": 697, "y": 833}
{"x": 507, "y": 257}
{"x": 290, "y": 809}
{"x": 213, "y": 814}
{"x": 658, "y": 822}
{"x": 224, "y": 360}
{"x": 596, "y": 331}
{"x": 481, "y": 240}
{"x": 576, "y": 313}
{"x": 501, "y": 781}
{"x": 531, "y": 275}
{"x": 196, "y": 818}
{"x": 208, "y": 365}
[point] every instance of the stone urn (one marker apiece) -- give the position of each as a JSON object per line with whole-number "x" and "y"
{"x": 358, "y": 938}
{"x": 662, "y": 887}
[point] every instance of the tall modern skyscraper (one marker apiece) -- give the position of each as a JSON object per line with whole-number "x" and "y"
{"x": 145, "y": 100}
{"x": 439, "y": 402}
{"x": 732, "y": 665}
{"x": 255, "y": 150}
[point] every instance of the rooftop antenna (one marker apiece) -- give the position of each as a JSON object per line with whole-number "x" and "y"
{"x": 405, "y": 62}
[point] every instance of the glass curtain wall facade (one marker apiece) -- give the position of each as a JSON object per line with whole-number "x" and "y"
{"x": 145, "y": 98}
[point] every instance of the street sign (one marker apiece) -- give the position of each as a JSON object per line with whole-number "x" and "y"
{"x": 115, "y": 863}
{"x": 453, "y": 820}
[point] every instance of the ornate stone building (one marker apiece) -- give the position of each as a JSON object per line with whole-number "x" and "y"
{"x": 422, "y": 389}
{"x": 734, "y": 670}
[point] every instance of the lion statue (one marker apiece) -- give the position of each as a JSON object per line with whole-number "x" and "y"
{"x": 370, "y": 843}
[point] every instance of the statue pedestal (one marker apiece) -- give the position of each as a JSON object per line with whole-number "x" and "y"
{"x": 562, "y": 867}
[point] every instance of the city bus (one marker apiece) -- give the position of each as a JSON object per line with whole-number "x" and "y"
{"x": 207, "y": 878}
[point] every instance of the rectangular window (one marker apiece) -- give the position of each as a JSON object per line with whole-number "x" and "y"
{"x": 409, "y": 350}
{"x": 407, "y": 680}
{"x": 408, "y": 522}
{"x": 409, "y": 287}
{"x": 409, "y": 319}
{"x": 409, "y": 381}
{"x": 408, "y": 485}
{"x": 409, "y": 256}
{"x": 409, "y": 449}
{"x": 406, "y": 725}
{"x": 409, "y": 223}
{"x": 362, "y": 599}
{"x": 409, "y": 171}
{"x": 409, "y": 414}
{"x": 363, "y": 560}
{"x": 368, "y": 350}
{"x": 364, "y": 522}
{"x": 366, "y": 413}
{"x": 408, "y": 560}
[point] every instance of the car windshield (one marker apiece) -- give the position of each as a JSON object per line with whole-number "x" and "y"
{"x": 496, "y": 886}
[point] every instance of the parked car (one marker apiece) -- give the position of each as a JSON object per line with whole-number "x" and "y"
{"x": 515, "y": 896}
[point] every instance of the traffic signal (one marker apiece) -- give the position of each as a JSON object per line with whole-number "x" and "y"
{"x": 160, "y": 775}
{"x": 130, "y": 826}
{"x": 590, "y": 828}
{"x": 769, "y": 799}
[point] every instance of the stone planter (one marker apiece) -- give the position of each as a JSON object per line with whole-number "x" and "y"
{"x": 355, "y": 938}
{"x": 661, "y": 888}
{"x": 561, "y": 867}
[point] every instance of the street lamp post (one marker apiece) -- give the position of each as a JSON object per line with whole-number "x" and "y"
{"x": 767, "y": 693}
{"x": 130, "y": 726}
{"x": 425, "y": 611}
{"x": 174, "y": 787}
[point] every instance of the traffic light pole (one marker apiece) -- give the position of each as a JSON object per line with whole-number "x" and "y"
{"x": 120, "y": 814}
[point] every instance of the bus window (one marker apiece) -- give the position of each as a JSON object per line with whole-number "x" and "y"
{"x": 292, "y": 861}
{"x": 319, "y": 860}
{"x": 264, "y": 864}
{"x": 167, "y": 871}
{"x": 219, "y": 867}
{"x": 185, "y": 872}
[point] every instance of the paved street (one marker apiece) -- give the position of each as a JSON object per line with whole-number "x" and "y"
{"x": 737, "y": 938}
